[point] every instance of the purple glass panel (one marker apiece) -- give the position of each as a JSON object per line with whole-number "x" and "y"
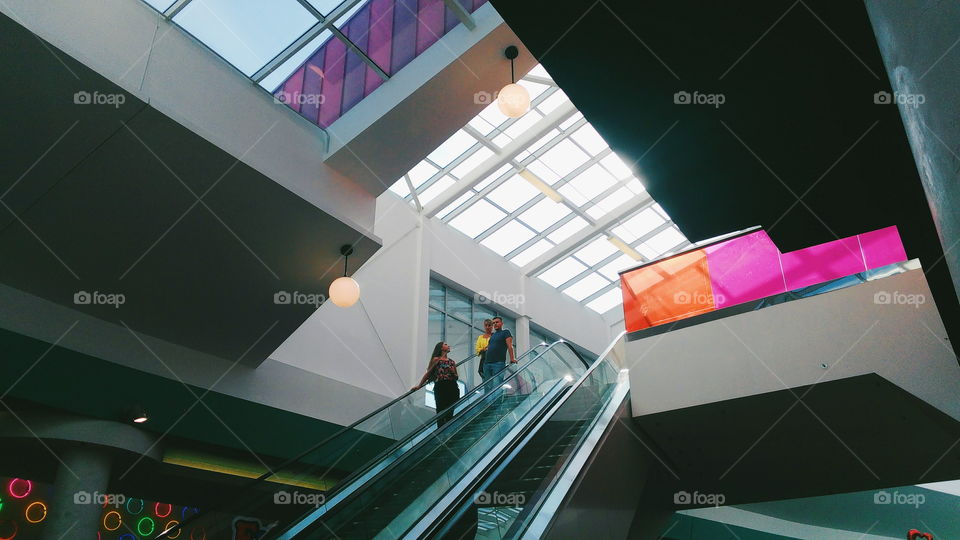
{"x": 744, "y": 268}
{"x": 882, "y": 247}
{"x": 379, "y": 44}
{"x": 429, "y": 24}
{"x": 823, "y": 262}
{"x": 333, "y": 71}
{"x": 477, "y": 4}
{"x": 313, "y": 85}
{"x": 404, "y": 34}
{"x": 358, "y": 32}
{"x": 291, "y": 91}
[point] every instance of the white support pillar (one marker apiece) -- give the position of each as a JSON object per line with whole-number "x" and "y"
{"x": 522, "y": 334}
{"x": 81, "y": 482}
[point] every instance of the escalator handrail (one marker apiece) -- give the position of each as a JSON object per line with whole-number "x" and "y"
{"x": 439, "y": 518}
{"x": 345, "y": 482}
{"x": 291, "y": 461}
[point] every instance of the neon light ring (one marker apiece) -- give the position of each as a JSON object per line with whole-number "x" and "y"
{"x": 107, "y": 516}
{"x": 138, "y": 510}
{"x": 148, "y": 520}
{"x": 34, "y": 519}
{"x": 156, "y": 509}
{"x": 202, "y": 533}
{"x": 8, "y": 529}
{"x": 19, "y": 488}
{"x": 171, "y": 524}
{"x": 127, "y": 536}
{"x": 191, "y": 509}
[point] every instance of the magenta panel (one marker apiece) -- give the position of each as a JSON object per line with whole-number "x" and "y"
{"x": 882, "y": 247}
{"x": 290, "y": 92}
{"x": 429, "y": 24}
{"x": 744, "y": 268}
{"x": 333, "y": 70}
{"x": 822, "y": 262}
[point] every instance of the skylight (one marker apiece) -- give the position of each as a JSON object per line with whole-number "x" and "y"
{"x": 565, "y": 209}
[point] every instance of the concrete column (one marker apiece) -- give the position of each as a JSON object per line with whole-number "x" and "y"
{"x": 82, "y": 477}
{"x": 522, "y": 334}
{"x": 917, "y": 40}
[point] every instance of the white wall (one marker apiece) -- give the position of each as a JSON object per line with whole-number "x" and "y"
{"x": 134, "y": 47}
{"x": 385, "y": 352}
{"x": 784, "y": 345}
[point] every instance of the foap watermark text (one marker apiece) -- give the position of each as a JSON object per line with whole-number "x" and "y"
{"x": 97, "y": 298}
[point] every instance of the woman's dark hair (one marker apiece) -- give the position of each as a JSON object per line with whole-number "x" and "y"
{"x": 437, "y": 350}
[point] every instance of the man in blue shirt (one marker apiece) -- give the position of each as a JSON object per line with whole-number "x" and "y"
{"x": 500, "y": 344}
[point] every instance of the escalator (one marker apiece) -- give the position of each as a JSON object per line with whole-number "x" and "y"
{"x": 399, "y": 461}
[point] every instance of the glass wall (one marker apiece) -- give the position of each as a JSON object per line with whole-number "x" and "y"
{"x": 457, "y": 318}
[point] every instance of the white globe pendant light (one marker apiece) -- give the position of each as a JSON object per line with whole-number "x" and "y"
{"x": 345, "y": 291}
{"x": 513, "y": 100}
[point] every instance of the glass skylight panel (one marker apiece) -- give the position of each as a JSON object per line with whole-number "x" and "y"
{"x": 532, "y": 252}
{"x": 606, "y": 301}
{"x": 665, "y": 240}
{"x": 422, "y": 172}
{"x": 615, "y": 165}
{"x": 660, "y": 210}
{"x": 534, "y": 88}
{"x": 543, "y": 140}
{"x": 492, "y": 177}
{"x": 587, "y": 185}
{"x": 513, "y": 193}
{"x": 562, "y": 272}
{"x": 246, "y": 33}
{"x": 567, "y": 230}
{"x": 436, "y": 189}
{"x": 492, "y": 115}
{"x": 539, "y": 71}
{"x": 564, "y": 157}
{"x": 400, "y": 188}
{"x": 597, "y": 250}
{"x": 452, "y": 148}
{"x": 589, "y": 139}
{"x": 477, "y": 218}
{"x": 544, "y": 214}
{"x": 636, "y": 186}
{"x": 507, "y": 238}
{"x": 632, "y": 229}
{"x": 160, "y": 5}
{"x": 590, "y": 284}
{"x": 471, "y": 162}
{"x": 455, "y": 204}
{"x": 612, "y": 269}
{"x": 542, "y": 171}
{"x": 553, "y": 101}
{"x": 482, "y": 125}
{"x": 326, "y": 6}
{"x": 280, "y": 75}
{"x": 502, "y": 140}
{"x": 571, "y": 121}
{"x": 610, "y": 202}
{"x": 522, "y": 124}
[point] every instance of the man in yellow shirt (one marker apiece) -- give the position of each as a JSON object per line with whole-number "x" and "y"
{"x": 482, "y": 342}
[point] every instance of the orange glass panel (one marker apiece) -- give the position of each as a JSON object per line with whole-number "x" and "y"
{"x": 667, "y": 291}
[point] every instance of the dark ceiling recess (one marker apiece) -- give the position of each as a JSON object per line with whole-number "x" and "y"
{"x": 798, "y": 145}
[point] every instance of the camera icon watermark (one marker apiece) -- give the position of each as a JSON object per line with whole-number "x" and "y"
{"x": 497, "y": 498}
{"x": 699, "y": 499}
{"x": 101, "y": 499}
{"x": 897, "y": 98}
{"x": 312, "y": 499}
{"x": 697, "y": 297}
{"x": 910, "y": 499}
{"x": 97, "y": 298}
{"x": 484, "y": 98}
{"x": 499, "y": 298}
{"x": 899, "y": 298}
{"x": 698, "y": 98}
{"x": 298, "y": 98}
{"x": 297, "y": 298}
{"x": 96, "y": 98}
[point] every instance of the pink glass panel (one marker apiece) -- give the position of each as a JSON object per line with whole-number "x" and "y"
{"x": 744, "y": 269}
{"x": 822, "y": 262}
{"x": 882, "y": 247}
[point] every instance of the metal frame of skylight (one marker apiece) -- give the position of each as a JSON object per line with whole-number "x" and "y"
{"x": 324, "y": 23}
{"x": 509, "y": 155}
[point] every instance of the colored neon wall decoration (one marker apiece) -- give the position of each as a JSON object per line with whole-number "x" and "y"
{"x": 745, "y": 268}
{"x": 19, "y": 488}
